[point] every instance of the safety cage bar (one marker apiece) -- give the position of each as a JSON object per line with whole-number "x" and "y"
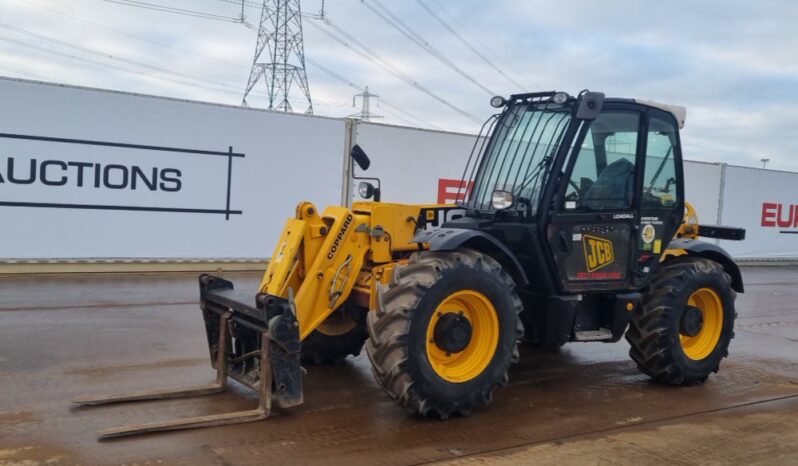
{"x": 513, "y": 149}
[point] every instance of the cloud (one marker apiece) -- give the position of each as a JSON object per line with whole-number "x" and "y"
{"x": 733, "y": 64}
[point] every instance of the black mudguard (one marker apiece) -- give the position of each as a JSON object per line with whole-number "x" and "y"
{"x": 695, "y": 247}
{"x": 447, "y": 239}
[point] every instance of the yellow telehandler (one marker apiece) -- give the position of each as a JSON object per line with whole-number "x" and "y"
{"x": 570, "y": 225}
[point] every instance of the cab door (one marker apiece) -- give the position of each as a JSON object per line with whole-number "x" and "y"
{"x": 593, "y": 226}
{"x": 662, "y": 195}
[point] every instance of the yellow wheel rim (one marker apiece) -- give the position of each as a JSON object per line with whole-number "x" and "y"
{"x": 471, "y": 361}
{"x": 701, "y": 345}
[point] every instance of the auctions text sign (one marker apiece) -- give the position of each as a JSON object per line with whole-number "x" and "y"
{"x": 41, "y": 171}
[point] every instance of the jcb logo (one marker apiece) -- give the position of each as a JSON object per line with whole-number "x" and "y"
{"x": 598, "y": 252}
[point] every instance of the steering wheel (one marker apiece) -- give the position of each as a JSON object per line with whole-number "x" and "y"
{"x": 576, "y": 188}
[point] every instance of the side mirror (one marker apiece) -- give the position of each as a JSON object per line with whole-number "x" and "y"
{"x": 360, "y": 157}
{"x": 365, "y": 189}
{"x": 502, "y": 200}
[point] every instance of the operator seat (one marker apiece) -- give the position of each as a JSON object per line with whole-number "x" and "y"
{"x": 613, "y": 188}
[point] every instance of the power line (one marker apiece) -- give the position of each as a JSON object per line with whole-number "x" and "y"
{"x": 128, "y": 70}
{"x": 179, "y": 11}
{"x": 23, "y": 72}
{"x": 397, "y": 111}
{"x": 468, "y": 44}
{"x": 395, "y": 22}
{"x": 107, "y": 65}
{"x": 476, "y": 39}
{"x": 385, "y": 103}
{"x": 110, "y": 56}
{"x": 252, "y": 4}
{"x": 160, "y": 44}
{"x": 218, "y": 86}
{"x": 134, "y": 36}
{"x": 235, "y": 92}
{"x": 371, "y": 56}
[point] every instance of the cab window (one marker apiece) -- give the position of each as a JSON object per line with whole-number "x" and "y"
{"x": 603, "y": 175}
{"x": 659, "y": 187}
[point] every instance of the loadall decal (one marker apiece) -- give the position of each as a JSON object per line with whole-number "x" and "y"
{"x": 340, "y": 236}
{"x": 598, "y": 252}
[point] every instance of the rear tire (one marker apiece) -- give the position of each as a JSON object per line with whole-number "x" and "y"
{"x": 342, "y": 334}
{"x": 666, "y": 342}
{"x": 413, "y": 358}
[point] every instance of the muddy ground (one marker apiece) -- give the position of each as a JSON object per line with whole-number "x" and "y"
{"x": 65, "y": 336}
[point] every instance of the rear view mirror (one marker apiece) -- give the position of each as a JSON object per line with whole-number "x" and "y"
{"x": 360, "y": 157}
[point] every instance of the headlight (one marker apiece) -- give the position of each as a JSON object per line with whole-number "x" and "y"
{"x": 560, "y": 98}
{"x": 501, "y": 200}
{"x": 497, "y": 101}
{"x": 365, "y": 189}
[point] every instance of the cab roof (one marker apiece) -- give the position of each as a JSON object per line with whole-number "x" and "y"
{"x": 678, "y": 112}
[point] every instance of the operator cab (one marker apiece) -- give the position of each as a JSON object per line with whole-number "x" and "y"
{"x": 585, "y": 191}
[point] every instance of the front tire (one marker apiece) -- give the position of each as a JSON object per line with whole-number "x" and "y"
{"x": 340, "y": 335}
{"x": 683, "y": 329}
{"x": 445, "y": 332}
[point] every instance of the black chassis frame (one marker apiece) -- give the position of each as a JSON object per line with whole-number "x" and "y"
{"x": 519, "y": 242}
{"x": 270, "y": 315}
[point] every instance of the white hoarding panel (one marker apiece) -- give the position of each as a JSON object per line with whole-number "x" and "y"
{"x": 764, "y": 203}
{"x": 415, "y": 166}
{"x": 94, "y": 174}
{"x": 702, "y": 189}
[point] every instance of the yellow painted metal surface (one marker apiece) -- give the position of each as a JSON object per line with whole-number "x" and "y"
{"x": 703, "y": 344}
{"x": 472, "y": 361}
{"x": 341, "y": 254}
{"x": 333, "y": 271}
{"x": 687, "y": 230}
{"x": 381, "y": 275}
{"x": 392, "y": 227}
{"x": 319, "y": 257}
{"x": 284, "y": 259}
{"x": 669, "y": 253}
{"x": 689, "y": 227}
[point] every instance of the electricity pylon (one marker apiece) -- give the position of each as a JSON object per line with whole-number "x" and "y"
{"x": 365, "y": 107}
{"x": 280, "y": 56}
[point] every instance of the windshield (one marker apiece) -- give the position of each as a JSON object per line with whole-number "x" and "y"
{"x": 516, "y": 159}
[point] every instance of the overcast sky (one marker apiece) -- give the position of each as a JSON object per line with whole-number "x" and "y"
{"x": 733, "y": 63}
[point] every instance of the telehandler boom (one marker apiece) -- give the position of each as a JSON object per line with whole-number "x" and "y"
{"x": 571, "y": 225}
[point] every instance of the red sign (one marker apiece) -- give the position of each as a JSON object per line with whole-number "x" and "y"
{"x": 452, "y": 191}
{"x": 779, "y": 215}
